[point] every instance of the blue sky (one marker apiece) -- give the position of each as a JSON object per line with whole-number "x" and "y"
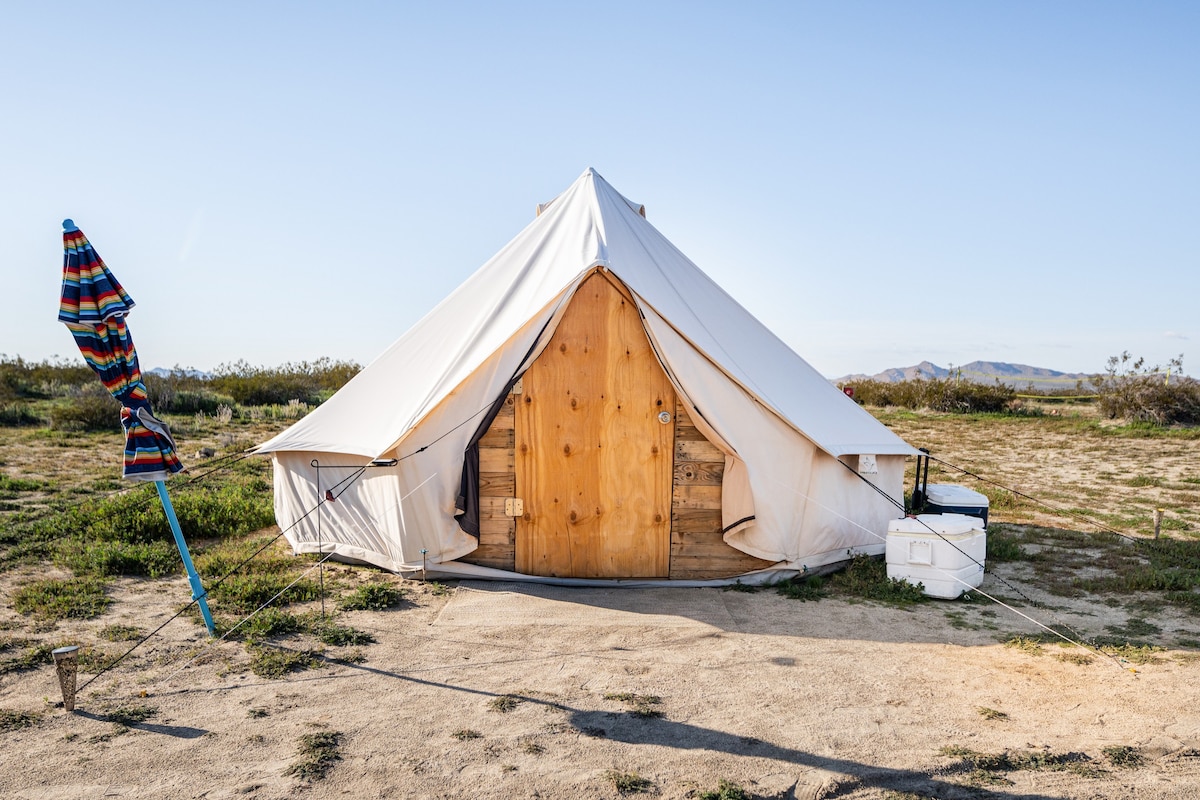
{"x": 879, "y": 182}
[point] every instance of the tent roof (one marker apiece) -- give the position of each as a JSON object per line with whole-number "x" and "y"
{"x": 588, "y": 225}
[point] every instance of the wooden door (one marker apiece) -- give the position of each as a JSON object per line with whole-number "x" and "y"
{"x": 593, "y": 457}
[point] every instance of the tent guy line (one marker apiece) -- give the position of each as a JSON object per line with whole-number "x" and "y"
{"x": 970, "y": 588}
{"x": 1055, "y": 509}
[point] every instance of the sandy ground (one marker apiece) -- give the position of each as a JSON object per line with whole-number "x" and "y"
{"x": 788, "y": 699}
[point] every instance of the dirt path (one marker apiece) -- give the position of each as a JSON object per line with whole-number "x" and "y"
{"x": 785, "y": 698}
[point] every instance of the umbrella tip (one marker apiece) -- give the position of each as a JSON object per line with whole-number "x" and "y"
{"x": 69, "y": 226}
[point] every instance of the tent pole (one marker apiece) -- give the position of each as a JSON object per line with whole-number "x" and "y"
{"x": 198, "y": 593}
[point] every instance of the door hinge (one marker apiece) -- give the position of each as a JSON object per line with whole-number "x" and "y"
{"x": 516, "y": 387}
{"x": 513, "y": 506}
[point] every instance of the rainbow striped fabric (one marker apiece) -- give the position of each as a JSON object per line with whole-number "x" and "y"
{"x": 90, "y": 293}
{"x": 93, "y": 306}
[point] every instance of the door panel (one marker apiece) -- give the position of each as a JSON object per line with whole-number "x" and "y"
{"x": 593, "y": 459}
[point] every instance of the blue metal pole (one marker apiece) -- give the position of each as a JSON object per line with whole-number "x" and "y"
{"x": 198, "y": 592}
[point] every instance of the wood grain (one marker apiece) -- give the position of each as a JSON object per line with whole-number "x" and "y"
{"x": 593, "y": 462}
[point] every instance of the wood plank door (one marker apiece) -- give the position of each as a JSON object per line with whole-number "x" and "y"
{"x": 593, "y": 458}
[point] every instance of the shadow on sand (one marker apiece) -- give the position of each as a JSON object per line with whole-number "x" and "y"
{"x": 633, "y": 729}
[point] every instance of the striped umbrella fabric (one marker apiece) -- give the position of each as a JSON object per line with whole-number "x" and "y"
{"x": 93, "y": 306}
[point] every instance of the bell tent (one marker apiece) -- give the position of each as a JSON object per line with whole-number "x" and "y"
{"x": 588, "y": 405}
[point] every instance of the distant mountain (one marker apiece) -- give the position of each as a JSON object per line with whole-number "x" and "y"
{"x": 1018, "y": 376}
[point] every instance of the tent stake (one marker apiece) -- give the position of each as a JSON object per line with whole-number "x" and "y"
{"x": 198, "y": 593}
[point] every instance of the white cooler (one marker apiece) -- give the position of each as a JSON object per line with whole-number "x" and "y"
{"x": 948, "y": 559}
{"x": 950, "y": 498}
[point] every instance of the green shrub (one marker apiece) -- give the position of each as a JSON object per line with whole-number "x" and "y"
{"x": 39, "y": 380}
{"x": 148, "y": 559}
{"x": 16, "y": 415}
{"x": 273, "y": 621}
{"x": 866, "y": 577}
{"x": 334, "y": 635}
{"x": 303, "y": 381}
{"x": 372, "y": 597}
{"x": 944, "y": 394}
{"x": 803, "y": 588}
{"x": 1003, "y": 546}
{"x": 87, "y": 412}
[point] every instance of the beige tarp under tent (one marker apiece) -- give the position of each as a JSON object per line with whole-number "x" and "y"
{"x": 589, "y": 406}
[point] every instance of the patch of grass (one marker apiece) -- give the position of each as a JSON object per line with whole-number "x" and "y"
{"x": 92, "y": 659}
{"x": 640, "y": 705}
{"x": 1135, "y": 627}
{"x": 1026, "y": 644}
{"x": 802, "y": 588}
{"x": 372, "y": 597}
{"x": 353, "y": 657}
{"x": 32, "y": 655}
{"x": 629, "y": 782}
{"x": 10, "y": 485}
{"x": 335, "y": 635}
{"x": 439, "y": 589}
{"x": 1076, "y": 657}
{"x": 1123, "y": 756}
{"x": 273, "y": 663}
{"x": 119, "y": 633}
{"x": 505, "y": 703}
{"x": 256, "y": 713}
{"x": 15, "y": 720}
{"x": 317, "y": 755}
{"x": 1134, "y": 653}
{"x": 740, "y": 587}
{"x": 1013, "y": 761}
{"x": 530, "y": 747}
{"x": 726, "y": 790}
{"x": 1143, "y": 481}
{"x": 148, "y": 559}
{"x": 244, "y": 592}
{"x": 130, "y": 715}
{"x": 272, "y": 622}
{"x": 990, "y": 714}
{"x": 57, "y": 599}
{"x": 466, "y": 734}
{"x": 866, "y": 577}
{"x": 1003, "y": 546}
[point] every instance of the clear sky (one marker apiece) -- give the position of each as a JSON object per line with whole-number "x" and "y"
{"x": 879, "y": 182}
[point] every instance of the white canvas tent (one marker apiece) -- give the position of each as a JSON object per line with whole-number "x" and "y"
{"x": 780, "y": 428}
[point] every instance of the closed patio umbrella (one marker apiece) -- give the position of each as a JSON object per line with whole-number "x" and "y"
{"x": 93, "y": 306}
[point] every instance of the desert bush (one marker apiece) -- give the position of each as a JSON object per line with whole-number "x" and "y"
{"x": 307, "y": 382}
{"x": 89, "y": 411}
{"x": 372, "y": 597}
{"x": 14, "y": 415}
{"x": 963, "y": 397}
{"x": 1132, "y": 391}
{"x": 39, "y": 380}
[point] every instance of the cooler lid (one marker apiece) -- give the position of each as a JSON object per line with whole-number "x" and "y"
{"x": 951, "y": 494}
{"x": 950, "y": 525}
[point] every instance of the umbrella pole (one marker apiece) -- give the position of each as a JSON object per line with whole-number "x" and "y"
{"x": 198, "y": 592}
